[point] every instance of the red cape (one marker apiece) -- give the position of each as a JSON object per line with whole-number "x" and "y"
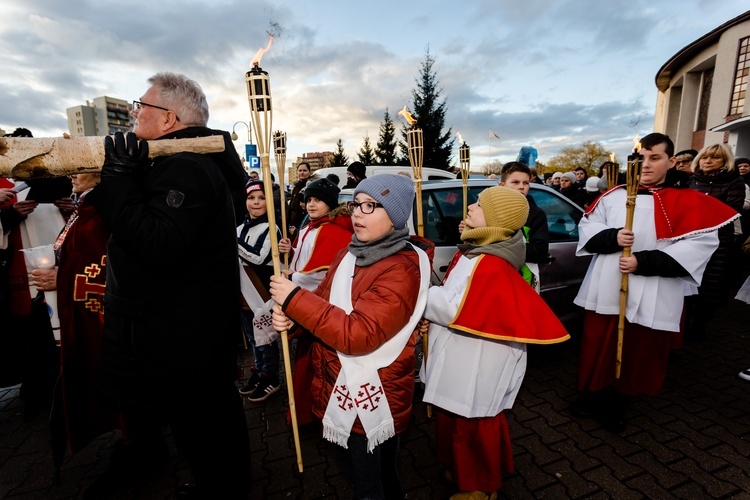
{"x": 499, "y": 304}
{"x": 682, "y": 212}
{"x": 332, "y": 236}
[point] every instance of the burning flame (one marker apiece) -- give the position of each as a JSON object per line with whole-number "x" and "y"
{"x": 612, "y": 157}
{"x": 407, "y": 116}
{"x": 460, "y": 139}
{"x": 259, "y": 55}
{"x": 636, "y": 144}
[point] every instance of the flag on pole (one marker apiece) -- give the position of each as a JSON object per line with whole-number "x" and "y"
{"x": 493, "y": 134}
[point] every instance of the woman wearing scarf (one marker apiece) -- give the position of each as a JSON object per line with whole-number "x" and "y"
{"x": 714, "y": 174}
{"x": 363, "y": 317}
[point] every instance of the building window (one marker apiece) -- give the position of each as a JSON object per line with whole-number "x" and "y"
{"x": 740, "y": 78}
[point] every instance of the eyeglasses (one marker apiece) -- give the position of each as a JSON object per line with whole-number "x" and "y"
{"x": 367, "y": 207}
{"x": 137, "y": 105}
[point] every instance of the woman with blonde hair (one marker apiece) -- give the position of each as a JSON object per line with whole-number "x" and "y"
{"x": 714, "y": 174}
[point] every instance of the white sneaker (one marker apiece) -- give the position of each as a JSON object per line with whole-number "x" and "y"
{"x": 745, "y": 374}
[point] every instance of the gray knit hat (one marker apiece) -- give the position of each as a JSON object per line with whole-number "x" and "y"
{"x": 570, "y": 176}
{"x": 394, "y": 191}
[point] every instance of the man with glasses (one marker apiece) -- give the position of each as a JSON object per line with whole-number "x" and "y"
{"x": 684, "y": 160}
{"x": 171, "y": 318}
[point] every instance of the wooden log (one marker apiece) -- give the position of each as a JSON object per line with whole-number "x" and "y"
{"x": 26, "y": 157}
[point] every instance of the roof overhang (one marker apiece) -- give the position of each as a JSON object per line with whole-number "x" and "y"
{"x": 739, "y": 123}
{"x": 672, "y": 66}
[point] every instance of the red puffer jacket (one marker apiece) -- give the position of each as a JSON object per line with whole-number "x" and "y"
{"x": 384, "y": 295}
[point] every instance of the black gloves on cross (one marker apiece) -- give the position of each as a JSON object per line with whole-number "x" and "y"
{"x": 124, "y": 157}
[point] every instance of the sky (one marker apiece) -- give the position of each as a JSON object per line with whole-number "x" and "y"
{"x": 545, "y": 73}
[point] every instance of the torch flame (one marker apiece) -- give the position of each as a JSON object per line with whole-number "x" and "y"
{"x": 460, "y": 139}
{"x": 405, "y": 113}
{"x": 612, "y": 157}
{"x": 636, "y": 144}
{"x": 259, "y": 55}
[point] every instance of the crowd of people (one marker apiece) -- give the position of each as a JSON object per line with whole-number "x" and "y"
{"x": 164, "y": 268}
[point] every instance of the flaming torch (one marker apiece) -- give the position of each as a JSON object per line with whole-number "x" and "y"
{"x": 465, "y": 163}
{"x": 279, "y": 148}
{"x": 415, "y": 145}
{"x": 635, "y": 163}
{"x": 613, "y": 172}
{"x": 259, "y": 98}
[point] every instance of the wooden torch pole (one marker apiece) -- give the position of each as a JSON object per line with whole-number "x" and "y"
{"x": 465, "y": 164}
{"x": 279, "y": 148}
{"x": 635, "y": 162}
{"x": 259, "y": 97}
{"x": 415, "y": 143}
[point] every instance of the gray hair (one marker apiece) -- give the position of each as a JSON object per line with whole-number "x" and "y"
{"x": 183, "y": 96}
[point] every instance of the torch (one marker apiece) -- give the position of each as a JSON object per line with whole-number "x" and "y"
{"x": 613, "y": 172}
{"x": 635, "y": 163}
{"x": 279, "y": 149}
{"x": 415, "y": 144}
{"x": 465, "y": 163}
{"x": 259, "y": 98}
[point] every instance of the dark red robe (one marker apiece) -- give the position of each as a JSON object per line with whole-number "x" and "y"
{"x": 80, "y": 285}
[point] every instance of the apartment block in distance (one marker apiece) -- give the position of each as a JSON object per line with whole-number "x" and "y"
{"x": 104, "y": 116}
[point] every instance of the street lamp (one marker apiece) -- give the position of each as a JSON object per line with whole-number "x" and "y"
{"x": 235, "y": 136}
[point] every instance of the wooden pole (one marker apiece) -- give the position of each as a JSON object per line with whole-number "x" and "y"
{"x": 415, "y": 144}
{"x": 279, "y": 147}
{"x": 259, "y": 97}
{"x": 633, "y": 181}
{"x": 465, "y": 164}
{"x": 613, "y": 174}
{"x": 29, "y": 157}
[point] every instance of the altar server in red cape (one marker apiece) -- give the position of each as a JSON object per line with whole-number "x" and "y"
{"x": 481, "y": 319}
{"x": 674, "y": 234}
{"x": 330, "y": 229}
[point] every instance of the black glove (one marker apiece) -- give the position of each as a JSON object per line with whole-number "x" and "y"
{"x": 121, "y": 158}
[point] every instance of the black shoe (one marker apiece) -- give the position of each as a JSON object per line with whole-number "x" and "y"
{"x": 266, "y": 387}
{"x": 252, "y": 382}
{"x": 614, "y": 406}
{"x": 187, "y": 492}
{"x": 585, "y": 406}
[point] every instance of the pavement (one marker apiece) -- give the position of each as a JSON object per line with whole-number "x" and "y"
{"x": 693, "y": 441}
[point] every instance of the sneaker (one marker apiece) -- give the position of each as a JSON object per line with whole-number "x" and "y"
{"x": 252, "y": 382}
{"x": 745, "y": 374}
{"x": 265, "y": 388}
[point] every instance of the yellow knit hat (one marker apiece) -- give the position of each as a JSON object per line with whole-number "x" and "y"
{"x": 504, "y": 208}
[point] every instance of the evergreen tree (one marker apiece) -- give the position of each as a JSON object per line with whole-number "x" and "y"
{"x": 429, "y": 111}
{"x": 385, "y": 150}
{"x": 339, "y": 158}
{"x": 366, "y": 155}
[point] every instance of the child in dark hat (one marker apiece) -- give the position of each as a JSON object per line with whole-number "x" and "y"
{"x": 355, "y": 174}
{"x": 254, "y": 247}
{"x": 363, "y": 317}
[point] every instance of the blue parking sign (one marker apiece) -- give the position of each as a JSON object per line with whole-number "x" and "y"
{"x": 251, "y": 153}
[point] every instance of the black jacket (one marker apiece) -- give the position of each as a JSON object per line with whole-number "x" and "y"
{"x": 172, "y": 307}
{"x": 537, "y": 249}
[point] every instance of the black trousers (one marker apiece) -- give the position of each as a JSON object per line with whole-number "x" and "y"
{"x": 374, "y": 475}
{"x": 209, "y": 427}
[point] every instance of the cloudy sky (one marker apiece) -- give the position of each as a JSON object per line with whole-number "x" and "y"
{"x": 547, "y": 73}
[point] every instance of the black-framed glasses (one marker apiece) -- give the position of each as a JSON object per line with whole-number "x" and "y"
{"x": 367, "y": 207}
{"x": 137, "y": 105}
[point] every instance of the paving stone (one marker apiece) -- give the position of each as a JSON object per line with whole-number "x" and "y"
{"x": 664, "y": 475}
{"x": 693, "y": 441}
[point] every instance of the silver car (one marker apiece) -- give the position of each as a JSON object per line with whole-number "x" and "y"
{"x": 561, "y": 276}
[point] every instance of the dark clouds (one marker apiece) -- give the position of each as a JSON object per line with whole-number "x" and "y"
{"x": 544, "y": 72}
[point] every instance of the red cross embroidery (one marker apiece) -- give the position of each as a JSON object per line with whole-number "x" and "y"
{"x": 90, "y": 293}
{"x": 342, "y": 396}
{"x": 369, "y": 397}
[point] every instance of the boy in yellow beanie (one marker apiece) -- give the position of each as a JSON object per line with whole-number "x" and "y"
{"x": 477, "y": 353}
